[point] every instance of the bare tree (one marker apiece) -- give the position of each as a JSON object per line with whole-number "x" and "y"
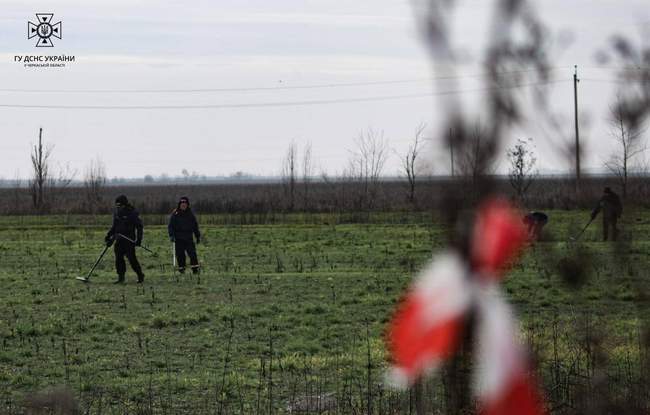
{"x": 57, "y": 183}
{"x": 409, "y": 161}
{"x": 367, "y": 162}
{"x": 64, "y": 177}
{"x": 630, "y": 144}
{"x": 307, "y": 173}
{"x": 522, "y": 167}
{"x": 44, "y": 183}
{"x": 476, "y": 156}
{"x": 38, "y": 184}
{"x": 94, "y": 183}
{"x": 289, "y": 172}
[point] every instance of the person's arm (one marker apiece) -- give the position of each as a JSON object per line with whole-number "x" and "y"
{"x": 110, "y": 235}
{"x": 195, "y": 229}
{"x": 170, "y": 228}
{"x": 139, "y": 228}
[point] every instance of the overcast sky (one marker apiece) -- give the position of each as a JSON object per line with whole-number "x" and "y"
{"x": 244, "y": 59}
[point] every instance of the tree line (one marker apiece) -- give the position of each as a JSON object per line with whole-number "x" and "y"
{"x": 361, "y": 186}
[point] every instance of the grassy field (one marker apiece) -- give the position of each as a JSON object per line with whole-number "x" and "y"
{"x": 290, "y": 315}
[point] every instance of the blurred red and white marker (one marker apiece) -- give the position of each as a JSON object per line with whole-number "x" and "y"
{"x": 428, "y": 324}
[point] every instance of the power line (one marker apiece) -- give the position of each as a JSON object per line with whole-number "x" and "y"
{"x": 606, "y": 81}
{"x": 610, "y": 81}
{"x": 209, "y": 90}
{"x": 252, "y": 89}
{"x": 273, "y": 104}
{"x": 620, "y": 68}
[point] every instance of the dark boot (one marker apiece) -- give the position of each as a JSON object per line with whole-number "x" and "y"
{"x": 140, "y": 278}
{"x": 120, "y": 279}
{"x": 195, "y": 269}
{"x": 181, "y": 270}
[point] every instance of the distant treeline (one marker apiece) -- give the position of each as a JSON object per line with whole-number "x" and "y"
{"x": 149, "y": 180}
{"x": 323, "y": 196}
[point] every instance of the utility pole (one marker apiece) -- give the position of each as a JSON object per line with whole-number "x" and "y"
{"x": 575, "y": 100}
{"x": 451, "y": 150}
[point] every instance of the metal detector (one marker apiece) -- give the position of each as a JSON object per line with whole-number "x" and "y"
{"x": 87, "y": 277}
{"x": 133, "y": 242}
{"x": 575, "y": 238}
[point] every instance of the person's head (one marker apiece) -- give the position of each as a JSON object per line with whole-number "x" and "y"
{"x": 121, "y": 201}
{"x": 183, "y": 203}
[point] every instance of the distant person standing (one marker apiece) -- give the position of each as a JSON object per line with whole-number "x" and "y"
{"x": 182, "y": 225}
{"x": 534, "y": 222}
{"x": 612, "y": 209}
{"x": 126, "y": 232}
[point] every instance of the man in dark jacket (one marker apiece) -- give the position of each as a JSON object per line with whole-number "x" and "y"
{"x": 612, "y": 209}
{"x": 126, "y": 233}
{"x": 182, "y": 225}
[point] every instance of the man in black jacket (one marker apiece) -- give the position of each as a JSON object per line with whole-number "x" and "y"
{"x": 126, "y": 225}
{"x": 182, "y": 225}
{"x": 612, "y": 208}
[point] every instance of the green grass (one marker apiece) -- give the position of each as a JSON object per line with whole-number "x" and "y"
{"x": 280, "y": 311}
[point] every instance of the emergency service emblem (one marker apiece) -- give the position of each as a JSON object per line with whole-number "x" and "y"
{"x": 44, "y": 29}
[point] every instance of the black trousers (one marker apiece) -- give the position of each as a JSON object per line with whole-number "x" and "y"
{"x": 181, "y": 248}
{"x": 126, "y": 249}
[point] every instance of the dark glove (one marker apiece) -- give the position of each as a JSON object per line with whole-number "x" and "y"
{"x": 593, "y": 215}
{"x": 172, "y": 239}
{"x": 198, "y": 240}
{"x": 108, "y": 240}
{"x": 138, "y": 242}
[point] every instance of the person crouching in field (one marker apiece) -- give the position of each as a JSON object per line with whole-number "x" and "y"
{"x": 612, "y": 209}
{"x": 126, "y": 233}
{"x": 534, "y": 222}
{"x": 182, "y": 225}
